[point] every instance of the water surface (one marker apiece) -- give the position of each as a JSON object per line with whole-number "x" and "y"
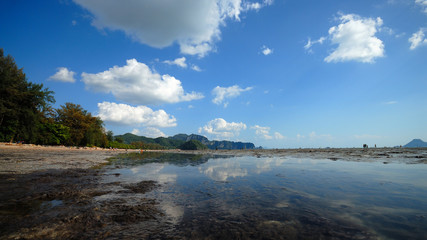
{"x": 281, "y": 197}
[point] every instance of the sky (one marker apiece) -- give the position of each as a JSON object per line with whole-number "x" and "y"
{"x": 277, "y": 73}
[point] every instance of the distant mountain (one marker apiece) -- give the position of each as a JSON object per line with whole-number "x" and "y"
{"x": 179, "y": 139}
{"x": 215, "y": 144}
{"x": 129, "y": 138}
{"x": 416, "y": 143}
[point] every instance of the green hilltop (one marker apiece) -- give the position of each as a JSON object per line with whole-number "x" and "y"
{"x": 178, "y": 140}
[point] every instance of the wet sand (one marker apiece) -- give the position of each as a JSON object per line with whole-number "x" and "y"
{"x": 49, "y": 192}
{"x": 21, "y": 159}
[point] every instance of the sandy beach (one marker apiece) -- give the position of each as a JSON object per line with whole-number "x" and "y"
{"x": 26, "y": 158}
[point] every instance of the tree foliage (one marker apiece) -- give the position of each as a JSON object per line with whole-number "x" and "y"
{"x": 143, "y": 145}
{"x": 193, "y": 145}
{"x": 26, "y": 113}
{"x": 85, "y": 130}
{"x": 23, "y": 104}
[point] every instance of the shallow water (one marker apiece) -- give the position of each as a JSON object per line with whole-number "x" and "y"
{"x": 281, "y": 197}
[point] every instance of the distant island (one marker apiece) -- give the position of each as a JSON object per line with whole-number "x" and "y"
{"x": 416, "y": 143}
{"x": 179, "y": 139}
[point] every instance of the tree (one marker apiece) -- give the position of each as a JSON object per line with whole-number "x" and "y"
{"x": 119, "y": 139}
{"x": 22, "y": 104}
{"x": 110, "y": 136}
{"x": 193, "y": 145}
{"x": 85, "y": 130}
{"x": 53, "y": 133}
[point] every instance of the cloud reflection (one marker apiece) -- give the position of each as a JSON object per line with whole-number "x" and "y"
{"x": 154, "y": 172}
{"x": 266, "y": 164}
{"x": 222, "y": 170}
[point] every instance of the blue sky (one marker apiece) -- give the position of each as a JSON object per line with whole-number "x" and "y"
{"x": 280, "y": 74}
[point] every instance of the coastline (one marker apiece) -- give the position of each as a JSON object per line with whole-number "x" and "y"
{"x": 28, "y": 158}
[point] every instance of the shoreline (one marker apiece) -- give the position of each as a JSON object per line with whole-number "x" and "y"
{"x": 28, "y": 158}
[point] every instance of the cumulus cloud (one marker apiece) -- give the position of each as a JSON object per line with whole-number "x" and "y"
{"x": 193, "y": 24}
{"x": 418, "y": 39}
{"x": 223, "y": 93}
{"x": 223, "y": 129}
{"x": 277, "y": 135}
{"x": 179, "y": 62}
{"x": 63, "y": 75}
{"x": 124, "y": 114}
{"x": 264, "y": 132}
{"x": 356, "y": 40}
{"x": 151, "y": 132}
{"x": 136, "y": 131}
{"x": 136, "y": 83}
{"x": 423, "y": 4}
{"x": 266, "y": 51}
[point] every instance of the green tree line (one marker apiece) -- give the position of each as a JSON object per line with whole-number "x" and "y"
{"x": 27, "y": 115}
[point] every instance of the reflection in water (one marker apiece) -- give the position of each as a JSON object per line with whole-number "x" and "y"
{"x": 266, "y": 164}
{"x": 222, "y": 169}
{"x": 248, "y": 197}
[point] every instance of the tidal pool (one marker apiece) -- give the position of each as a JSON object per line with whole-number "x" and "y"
{"x": 226, "y": 197}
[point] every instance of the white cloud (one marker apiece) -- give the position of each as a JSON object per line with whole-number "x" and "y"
{"x": 253, "y": 6}
{"x": 266, "y": 51}
{"x": 222, "y": 93}
{"x": 196, "y": 68}
{"x": 356, "y": 40}
{"x": 63, "y": 75}
{"x": 136, "y": 131}
{"x": 417, "y": 39}
{"x": 423, "y": 4}
{"x": 264, "y": 132}
{"x": 128, "y": 115}
{"x": 221, "y": 128}
{"x": 151, "y": 132}
{"x": 179, "y": 62}
{"x": 311, "y": 43}
{"x": 136, "y": 83}
{"x": 277, "y": 135}
{"x": 193, "y": 24}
